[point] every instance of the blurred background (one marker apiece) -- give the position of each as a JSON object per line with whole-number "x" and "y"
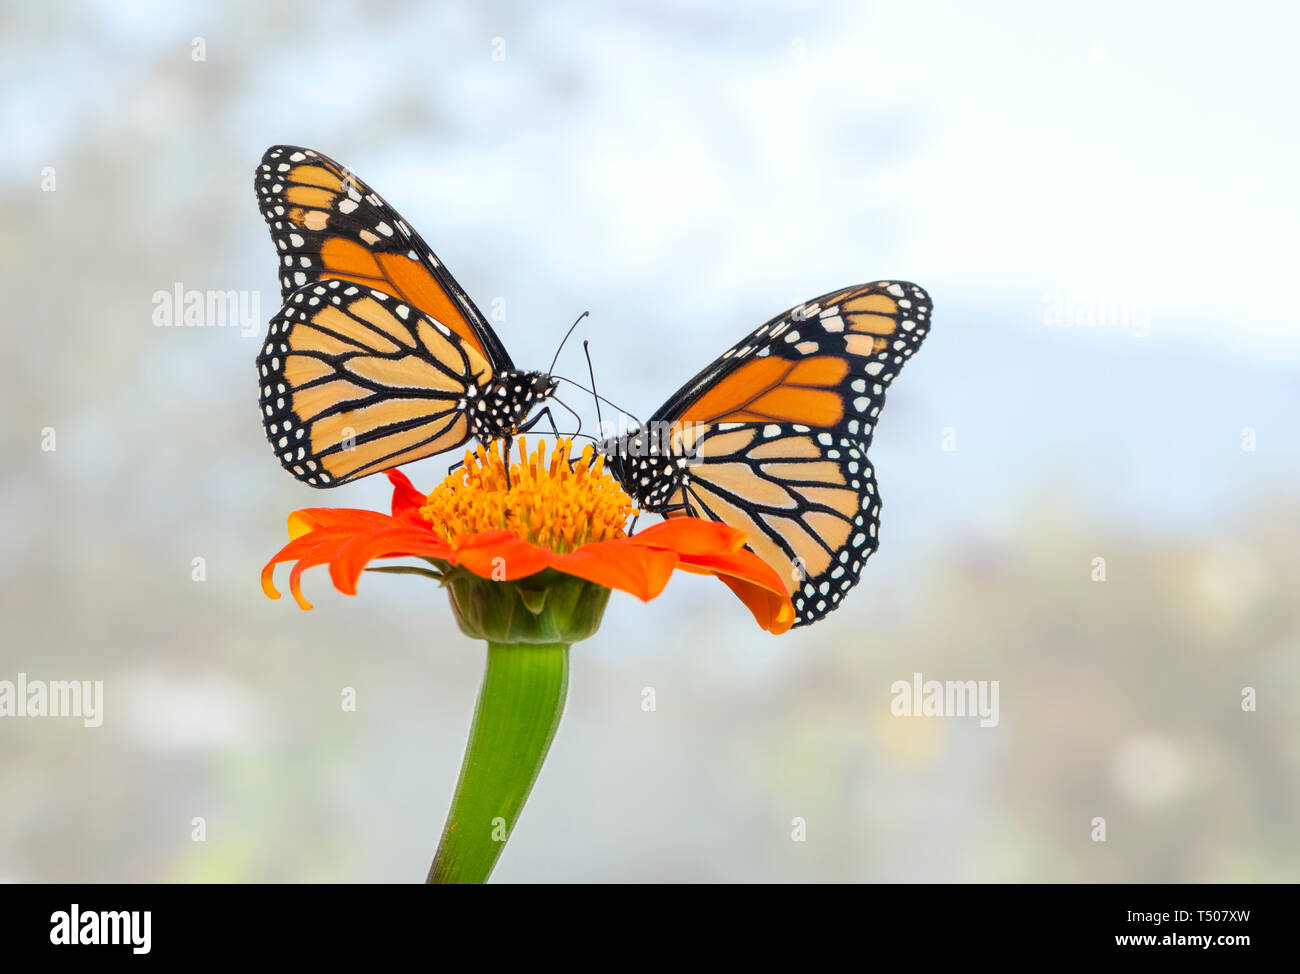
{"x": 1101, "y": 202}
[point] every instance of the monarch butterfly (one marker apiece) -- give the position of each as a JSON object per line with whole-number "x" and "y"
{"x": 378, "y": 357}
{"x": 772, "y": 437}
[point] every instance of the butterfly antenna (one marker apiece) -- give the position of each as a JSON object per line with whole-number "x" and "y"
{"x": 578, "y": 431}
{"x": 611, "y": 404}
{"x": 586, "y": 350}
{"x": 563, "y": 340}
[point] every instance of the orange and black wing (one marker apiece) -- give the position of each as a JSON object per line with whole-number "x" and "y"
{"x": 806, "y": 499}
{"x": 354, "y": 381}
{"x": 327, "y": 223}
{"x": 823, "y": 364}
{"x": 774, "y": 435}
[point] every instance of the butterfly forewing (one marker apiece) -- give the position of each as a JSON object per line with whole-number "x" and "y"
{"x": 327, "y": 223}
{"x": 354, "y": 381}
{"x": 823, "y": 364}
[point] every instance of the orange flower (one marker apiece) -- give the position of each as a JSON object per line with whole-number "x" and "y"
{"x": 565, "y": 516}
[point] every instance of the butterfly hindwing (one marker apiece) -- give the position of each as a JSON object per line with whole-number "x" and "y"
{"x": 327, "y": 223}
{"x": 354, "y": 381}
{"x": 806, "y": 499}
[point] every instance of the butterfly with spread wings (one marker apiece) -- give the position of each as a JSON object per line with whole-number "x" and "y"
{"x": 378, "y": 357}
{"x": 772, "y": 437}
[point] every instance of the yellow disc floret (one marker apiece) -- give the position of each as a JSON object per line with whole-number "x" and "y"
{"x": 559, "y": 505}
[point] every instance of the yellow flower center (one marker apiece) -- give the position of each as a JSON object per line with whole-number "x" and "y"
{"x": 559, "y": 505}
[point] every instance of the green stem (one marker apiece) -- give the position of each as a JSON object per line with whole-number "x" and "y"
{"x": 519, "y": 708}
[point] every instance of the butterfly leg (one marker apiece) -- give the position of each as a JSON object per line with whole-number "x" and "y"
{"x": 535, "y": 420}
{"x": 538, "y": 418}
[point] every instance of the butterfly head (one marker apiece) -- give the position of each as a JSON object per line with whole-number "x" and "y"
{"x": 614, "y": 450}
{"x": 649, "y": 470}
{"x": 541, "y": 385}
{"x": 532, "y": 389}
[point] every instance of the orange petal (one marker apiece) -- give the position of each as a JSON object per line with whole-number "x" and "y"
{"x": 773, "y": 612}
{"x": 407, "y": 501}
{"x": 501, "y": 556}
{"x": 299, "y": 524}
{"x": 317, "y": 557}
{"x": 334, "y": 519}
{"x": 755, "y": 582}
{"x": 347, "y": 539}
{"x": 319, "y": 546}
{"x": 691, "y": 536}
{"x": 268, "y": 580}
{"x": 351, "y": 558}
{"x": 639, "y": 570}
